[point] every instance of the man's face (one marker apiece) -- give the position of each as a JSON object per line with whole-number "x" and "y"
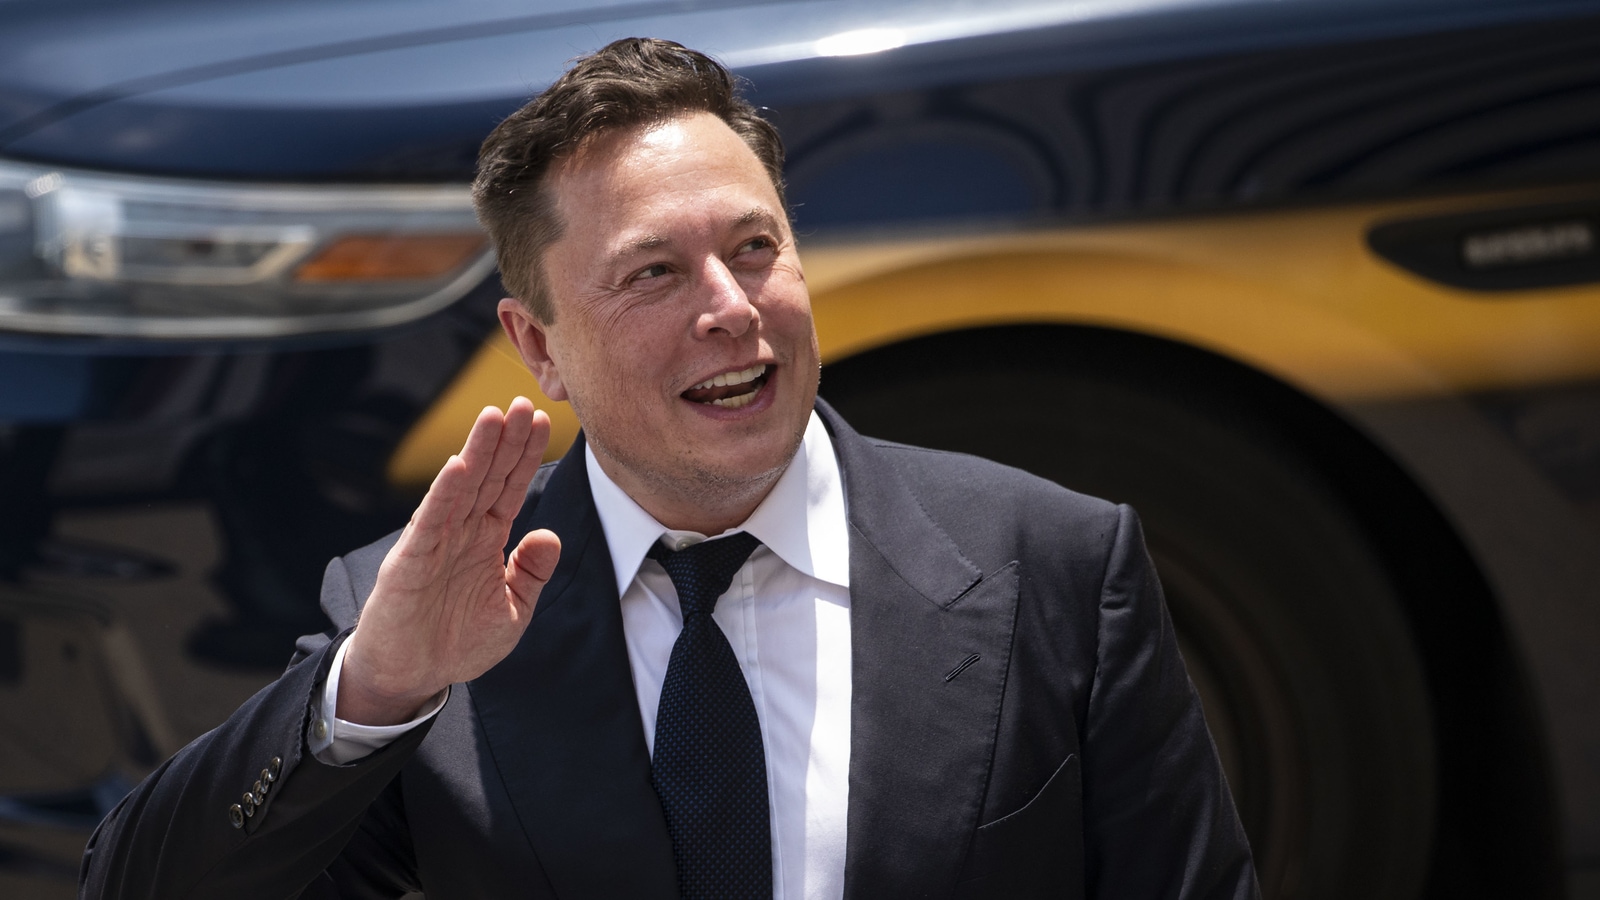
{"x": 675, "y": 271}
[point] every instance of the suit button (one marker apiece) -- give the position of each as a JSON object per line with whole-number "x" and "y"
{"x": 275, "y": 766}
{"x": 249, "y": 805}
{"x": 267, "y": 777}
{"x": 259, "y": 789}
{"x": 236, "y": 815}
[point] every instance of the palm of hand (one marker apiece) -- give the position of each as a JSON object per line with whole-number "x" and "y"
{"x": 446, "y": 607}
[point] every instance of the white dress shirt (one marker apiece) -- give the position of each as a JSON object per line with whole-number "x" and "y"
{"x": 786, "y": 615}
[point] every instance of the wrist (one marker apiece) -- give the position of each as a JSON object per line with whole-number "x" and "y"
{"x": 365, "y": 698}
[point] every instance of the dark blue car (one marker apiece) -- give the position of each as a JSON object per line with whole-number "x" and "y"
{"x": 1330, "y": 266}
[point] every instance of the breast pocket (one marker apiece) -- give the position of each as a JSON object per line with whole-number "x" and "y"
{"x": 1036, "y": 851}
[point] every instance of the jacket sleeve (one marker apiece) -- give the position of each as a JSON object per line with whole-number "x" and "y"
{"x": 1159, "y": 819}
{"x": 177, "y": 834}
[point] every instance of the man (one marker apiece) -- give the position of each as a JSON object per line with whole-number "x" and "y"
{"x": 926, "y": 675}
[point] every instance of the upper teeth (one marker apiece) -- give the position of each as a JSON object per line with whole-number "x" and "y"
{"x": 727, "y": 378}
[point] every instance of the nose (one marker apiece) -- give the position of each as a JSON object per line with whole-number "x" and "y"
{"x": 726, "y": 308}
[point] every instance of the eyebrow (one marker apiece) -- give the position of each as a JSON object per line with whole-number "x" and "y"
{"x": 642, "y": 244}
{"x": 645, "y": 243}
{"x": 756, "y": 215}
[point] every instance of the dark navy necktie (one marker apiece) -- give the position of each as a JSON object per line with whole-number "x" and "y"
{"x": 709, "y": 766}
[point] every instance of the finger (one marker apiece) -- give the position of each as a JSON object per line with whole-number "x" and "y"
{"x": 515, "y": 489}
{"x": 532, "y": 563}
{"x": 539, "y": 433}
{"x": 478, "y": 451}
{"x": 443, "y": 503}
{"x": 507, "y": 454}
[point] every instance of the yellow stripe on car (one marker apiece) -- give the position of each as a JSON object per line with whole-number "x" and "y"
{"x": 1297, "y": 294}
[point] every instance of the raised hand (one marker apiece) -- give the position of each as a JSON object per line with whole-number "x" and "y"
{"x": 445, "y": 607}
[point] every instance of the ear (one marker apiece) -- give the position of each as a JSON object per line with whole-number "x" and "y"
{"x": 532, "y": 341}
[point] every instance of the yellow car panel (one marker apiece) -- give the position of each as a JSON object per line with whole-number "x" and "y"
{"x": 1297, "y": 294}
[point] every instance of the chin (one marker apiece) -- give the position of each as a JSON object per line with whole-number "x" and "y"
{"x": 755, "y": 460}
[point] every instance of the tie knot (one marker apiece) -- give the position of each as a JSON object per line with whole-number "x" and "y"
{"x": 701, "y": 573}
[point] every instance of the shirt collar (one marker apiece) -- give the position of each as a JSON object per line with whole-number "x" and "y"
{"x": 802, "y": 519}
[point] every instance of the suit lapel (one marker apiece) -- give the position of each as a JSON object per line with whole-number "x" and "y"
{"x": 562, "y": 720}
{"x": 922, "y": 725}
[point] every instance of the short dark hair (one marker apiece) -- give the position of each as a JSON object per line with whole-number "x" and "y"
{"x": 634, "y": 81}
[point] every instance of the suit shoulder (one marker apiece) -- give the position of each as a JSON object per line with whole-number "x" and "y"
{"x": 996, "y": 513}
{"x": 961, "y": 480}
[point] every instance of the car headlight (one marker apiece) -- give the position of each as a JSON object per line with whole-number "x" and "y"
{"x": 90, "y": 253}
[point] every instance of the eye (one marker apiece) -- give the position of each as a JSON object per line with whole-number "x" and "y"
{"x": 754, "y": 244}
{"x": 655, "y": 271}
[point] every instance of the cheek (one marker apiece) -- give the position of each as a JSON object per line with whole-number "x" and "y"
{"x": 584, "y": 374}
{"x": 628, "y": 378}
{"x": 783, "y": 297}
{"x": 792, "y": 319}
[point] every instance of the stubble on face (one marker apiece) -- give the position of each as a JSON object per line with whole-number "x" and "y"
{"x": 693, "y": 484}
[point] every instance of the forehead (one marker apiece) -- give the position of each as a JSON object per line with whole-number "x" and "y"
{"x": 677, "y": 165}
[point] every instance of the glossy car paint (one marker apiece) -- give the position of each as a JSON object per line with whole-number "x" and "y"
{"x": 1203, "y": 172}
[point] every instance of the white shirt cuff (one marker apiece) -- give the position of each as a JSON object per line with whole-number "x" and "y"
{"x": 336, "y": 742}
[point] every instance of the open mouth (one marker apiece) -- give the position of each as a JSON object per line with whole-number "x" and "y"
{"x": 730, "y": 390}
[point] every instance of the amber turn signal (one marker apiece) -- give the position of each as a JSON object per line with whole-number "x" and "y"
{"x": 391, "y": 257}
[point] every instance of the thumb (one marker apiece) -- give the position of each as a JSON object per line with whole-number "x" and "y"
{"x": 532, "y": 563}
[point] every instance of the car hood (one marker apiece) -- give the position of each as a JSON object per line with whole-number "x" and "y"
{"x": 405, "y": 89}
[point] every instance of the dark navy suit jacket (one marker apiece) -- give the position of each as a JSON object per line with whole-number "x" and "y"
{"x": 1068, "y": 757}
